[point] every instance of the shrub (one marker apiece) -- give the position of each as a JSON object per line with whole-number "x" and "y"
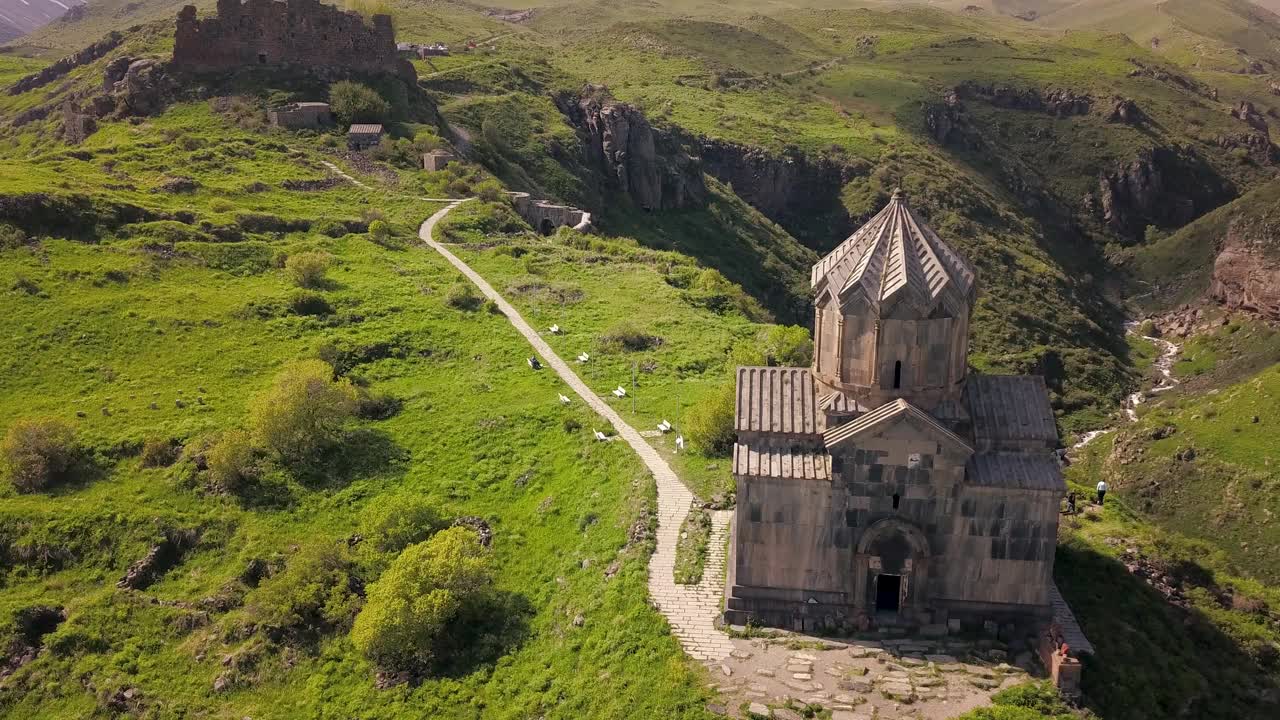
{"x": 318, "y": 591}
{"x": 11, "y": 237}
{"x": 159, "y": 452}
{"x": 305, "y": 302}
{"x": 411, "y": 605}
{"x": 393, "y": 522}
{"x": 303, "y": 412}
{"x": 308, "y": 269}
{"x": 355, "y": 103}
{"x": 379, "y": 231}
{"x": 378, "y": 406}
{"x": 230, "y": 461}
{"x": 490, "y": 191}
{"x": 462, "y": 295}
{"x": 36, "y": 453}
{"x": 626, "y": 336}
{"x": 773, "y": 346}
{"x": 332, "y": 228}
{"x": 710, "y": 422}
{"x": 713, "y": 291}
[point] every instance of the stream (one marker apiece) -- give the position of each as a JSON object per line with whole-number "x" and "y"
{"x": 1164, "y": 364}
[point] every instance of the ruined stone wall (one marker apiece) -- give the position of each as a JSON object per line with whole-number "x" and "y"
{"x": 301, "y": 33}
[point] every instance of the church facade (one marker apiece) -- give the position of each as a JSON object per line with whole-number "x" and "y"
{"x": 887, "y": 485}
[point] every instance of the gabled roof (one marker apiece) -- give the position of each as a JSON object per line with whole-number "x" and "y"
{"x": 889, "y": 413}
{"x": 780, "y": 400}
{"x": 781, "y": 461}
{"x": 896, "y": 258}
{"x": 1016, "y": 471}
{"x": 1010, "y": 408}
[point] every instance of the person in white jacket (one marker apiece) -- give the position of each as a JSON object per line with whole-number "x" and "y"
{"x": 1102, "y": 490}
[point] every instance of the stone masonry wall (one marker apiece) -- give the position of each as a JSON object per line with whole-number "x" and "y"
{"x": 301, "y": 33}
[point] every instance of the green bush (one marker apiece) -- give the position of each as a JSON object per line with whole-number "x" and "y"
{"x": 1028, "y": 701}
{"x": 36, "y": 453}
{"x": 355, "y": 103}
{"x": 11, "y": 237}
{"x": 308, "y": 269}
{"x": 710, "y": 422}
{"x": 412, "y": 604}
{"x": 714, "y": 292}
{"x": 159, "y": 452}
{"x": 393, "y": 522}
{"x": 462, "y": 295}
{"x": 230, "y": 461}
{"x": 776, "y": 345}
{"x": 318, "y": 591}
{"x": 303, "y": 412}
{"x": 490, "y": 191}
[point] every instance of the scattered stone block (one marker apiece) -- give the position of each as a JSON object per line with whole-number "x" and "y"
{"x": 765, "y": 672}
{"x": 740, "y": 654}
{"x": 940, "y": 659}
{"x": 802, "y": 676}
{"x": 759, "y": 711}
{"x": 984, "y": 683}
{"x": 728, "y": 671}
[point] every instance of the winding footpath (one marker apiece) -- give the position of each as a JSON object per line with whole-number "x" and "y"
{"x": 690, "y": 609}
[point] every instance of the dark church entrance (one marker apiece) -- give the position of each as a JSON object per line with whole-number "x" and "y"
{"x": 887, "y": 590}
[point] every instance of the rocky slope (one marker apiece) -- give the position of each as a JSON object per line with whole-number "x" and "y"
{"x": 1246, "y": 273}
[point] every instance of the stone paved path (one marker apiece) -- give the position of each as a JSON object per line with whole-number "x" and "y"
{"x": 691, "y": 610}
{"x": 892, "y": 678}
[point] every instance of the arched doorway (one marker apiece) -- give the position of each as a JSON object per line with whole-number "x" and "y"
{"x": 891, "y": 568}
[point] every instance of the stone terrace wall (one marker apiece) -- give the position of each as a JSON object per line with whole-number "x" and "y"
{"x": 303, "y": 33}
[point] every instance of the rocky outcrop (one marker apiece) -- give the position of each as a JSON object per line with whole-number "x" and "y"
{"x": 135, "y": 86}
{"x": 1246, "y": 274}
{"x": 1166, "y": 187}
{"x": 1124, "y": 110}
{"x": 1059, "y": 102}
{"x": 620, "y": 144}
{"x": 76, "y": 124}
{"x": 60, "y": 68}
{"x": 947, "y": 124}
{"x": 1257, "y": 145}
{"x": 1167, "y": 77}
{"x": 1246, "y": 112}
{"x": 162, "y": 556}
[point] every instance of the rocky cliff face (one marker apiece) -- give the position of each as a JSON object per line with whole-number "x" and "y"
{"x": 1246, "y": 274}
{"x": 634, "y": 160}
{"x": 792, "y": 189}
{"x": 1166, "y": 187}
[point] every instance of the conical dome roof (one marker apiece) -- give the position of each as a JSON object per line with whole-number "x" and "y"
{"x": 896, "y": 258}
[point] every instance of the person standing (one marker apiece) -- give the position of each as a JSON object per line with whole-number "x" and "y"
{"x": 1071, "y": 504}
{"x": 1102, "y": 490}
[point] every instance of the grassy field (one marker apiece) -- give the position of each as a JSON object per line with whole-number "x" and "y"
{"x": 159, "y": 328}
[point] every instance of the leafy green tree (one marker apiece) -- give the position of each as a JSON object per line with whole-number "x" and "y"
{"x": 355, "y": 103}
{"x": 308, "y": 269}
{"x": 37, "y": 452}
{"x": 710, "y": 422}
{"x": 411, "y": 605}
{"x": 393, "y": 522}
{"x": 303, "y": 412}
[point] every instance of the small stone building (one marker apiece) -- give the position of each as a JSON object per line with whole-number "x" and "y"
{"x": 437, "y": 160}
{"x": 302, "y": 115}
{"x": 886, "y": 485}
{"x": 361, "y": 136}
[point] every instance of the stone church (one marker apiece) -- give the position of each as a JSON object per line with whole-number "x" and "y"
{"x": 886, "y": 484}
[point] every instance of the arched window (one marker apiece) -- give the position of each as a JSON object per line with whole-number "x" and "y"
{"x": 897, "y": 375}
{"x": 896, "y": 498}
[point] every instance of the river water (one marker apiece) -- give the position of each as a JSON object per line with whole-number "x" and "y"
{"x": 1164, "y": 365}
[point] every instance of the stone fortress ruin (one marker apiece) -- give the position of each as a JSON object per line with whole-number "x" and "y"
{"x": 885, "y": 485}
{"x": 305, "y": 34}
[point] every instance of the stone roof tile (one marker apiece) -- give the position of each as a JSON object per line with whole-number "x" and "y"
{"x": 779, "y": 400}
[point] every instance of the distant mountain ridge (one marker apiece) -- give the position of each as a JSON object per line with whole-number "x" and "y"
{"x": 19, "y": 17}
